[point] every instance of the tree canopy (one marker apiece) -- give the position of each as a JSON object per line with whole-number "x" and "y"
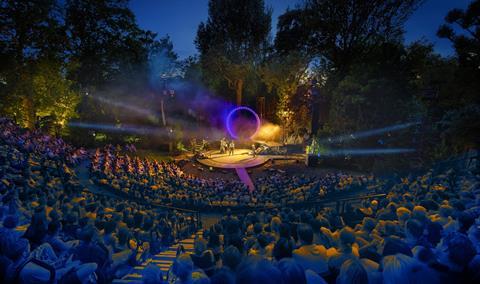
{"x": 341, "y": 31}
{"x": 232, "y": 40}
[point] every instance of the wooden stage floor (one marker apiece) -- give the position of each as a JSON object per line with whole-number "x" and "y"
{"x": 241, "y": 159}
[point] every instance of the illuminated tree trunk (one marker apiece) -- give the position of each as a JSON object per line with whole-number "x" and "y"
{"x": 238, "y": 91}
{"x": 28, "y": 112}
{"x": 164, "y": 121}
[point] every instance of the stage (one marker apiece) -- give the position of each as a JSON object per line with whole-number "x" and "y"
{"x": 241, "y": 159}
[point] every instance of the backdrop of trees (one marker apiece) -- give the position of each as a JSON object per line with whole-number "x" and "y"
{"x": 54, "y": 53}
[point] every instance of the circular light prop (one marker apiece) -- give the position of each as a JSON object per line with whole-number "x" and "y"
{"x": 229, "y": 121}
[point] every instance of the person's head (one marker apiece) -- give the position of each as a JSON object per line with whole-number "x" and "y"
{"x": 16, "y": 249}
{"x": 419, "y": 213}
{"x": 401, "y": 269}
{"x": 284, "y": 231}
{"x": 10, "y": 222}
{"x": 392, "y": 207}
{"x": 275, "y": 224}
{"x": 257, "y": 228}
{"x": 368, "y": 224}
{"x": 347, "y": 237}
{"x": 403, "y": 214}
{"x": 445, "y": 211}
{"x": 223, "y": 276}
{"x": 413, "y": 229}
{"x": 394, "y": 246}
{"x": 109, "y": 227}
{"x": 53, "y": 215}
{"x": 283, "y": 248}
{"x": 291, "y": 271}
{"x": 199, "y": 246}
{"x": 231, "y": 257}
{"x": 183, "y": 267}
{"x": 434, "y": 233}
{"x": 305, "y": 234}
{"x": 424, "y": 255}
{"x": 352, "y": 272}
{"x": 138, "y": 219}
{"x": 474, "y": 234}
{"x": 199, "y": 277}
{"x": 54, "y": 227}
{"x": 152, "y": 275}
{"x": 123, "y": 236}
{"x": 458, "y": 250}
{"x": 257, "y": 271}
{"x": 88, "y": 233}
{"x": 464, "y": 221}
{"x": 262, "y": 241}
{"x": 213, "y": 240}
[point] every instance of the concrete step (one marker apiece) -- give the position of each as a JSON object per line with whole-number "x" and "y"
{"x": 163, "y": 260}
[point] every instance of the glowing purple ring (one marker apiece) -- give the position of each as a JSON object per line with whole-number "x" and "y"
{"x": 229, "y": 117}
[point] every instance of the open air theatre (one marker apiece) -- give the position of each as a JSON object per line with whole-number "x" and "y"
{"x": 240, "y": 141}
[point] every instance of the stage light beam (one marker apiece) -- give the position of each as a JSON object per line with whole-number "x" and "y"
{"x": 366, "y": 152}
{"x": 367, "y": 133}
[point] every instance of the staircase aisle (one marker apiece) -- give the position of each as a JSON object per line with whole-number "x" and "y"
{"x": 163, "y": 260}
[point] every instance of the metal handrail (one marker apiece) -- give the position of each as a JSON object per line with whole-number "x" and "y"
{"x": 312, "y": 203}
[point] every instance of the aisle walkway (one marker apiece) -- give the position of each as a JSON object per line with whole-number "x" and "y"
{"x": 83, "y": 176}
{"x": 245, "y": 178}
{"x": 163, "y": 260}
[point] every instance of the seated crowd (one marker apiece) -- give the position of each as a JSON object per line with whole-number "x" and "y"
{"x": 425, "y": 230}
{"x": 166, "y": 183}
{"x": 52, "y": 230}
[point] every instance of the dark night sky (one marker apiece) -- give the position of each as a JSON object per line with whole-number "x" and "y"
{"x": 180, "y": 19}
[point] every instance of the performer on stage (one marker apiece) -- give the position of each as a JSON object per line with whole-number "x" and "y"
{"x": 193, "y": 144}
{"x": 231, "y": 148}
{"x": 254, "y": 150}
{"x": 204, "y": 145}
{"x": 223, "y": 145}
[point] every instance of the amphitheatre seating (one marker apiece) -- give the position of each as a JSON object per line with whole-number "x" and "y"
{"x": 164, "y": 260}
{"x": 419, "y": 228}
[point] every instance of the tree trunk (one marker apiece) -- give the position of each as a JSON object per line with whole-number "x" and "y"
{"x": 28, "y": 112}
{"x": 238, "y": 91}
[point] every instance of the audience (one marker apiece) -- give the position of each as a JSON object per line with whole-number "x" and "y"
{"x": 166, "y": 183}
{"x": 52, "y": 230}
{"x": 55, "y": 231}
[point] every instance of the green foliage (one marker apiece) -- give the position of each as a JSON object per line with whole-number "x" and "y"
{"x": 342, "y": 31}
{"x": 459, "y": 131}
{"x": 43, "y": 91}
{"x": 283, "y": 75}
{"x": 180, "y": 147}
{"x": 53, "y": 95}
{"x": 380, "y": 91}
{"x": 105, "y": 42}
{"x": 232, "y": 41}
{"x": 467, "y": 46}
{"x": 31, "y": 32}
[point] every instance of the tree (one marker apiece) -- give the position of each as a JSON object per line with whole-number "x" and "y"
{"x": 340, "y": 32}
{"x": 456, "y": 111}
{"x": 31, "y": 29}
{"x": 106, "y": 43}
{"x": 53, "y": 94}
{"x": 383, "y": 90}
{"x": 163, "y": 62}
{"x": 284, "y": 74}
{"x": 43, "y": 91}
{"x": 30, "y": 32}
{"x": 467, "y": 47}
{"x": 232, "y": 41}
